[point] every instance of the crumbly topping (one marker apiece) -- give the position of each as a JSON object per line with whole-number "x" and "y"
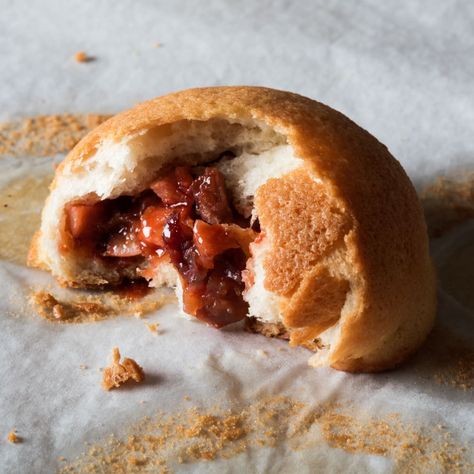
{"x": 46, "y": 135}
{"x": 162, "y": 442}
{"x": 119, "y": 373}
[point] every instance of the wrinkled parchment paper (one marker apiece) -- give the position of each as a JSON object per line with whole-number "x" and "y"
{"x": 402, "y": 70}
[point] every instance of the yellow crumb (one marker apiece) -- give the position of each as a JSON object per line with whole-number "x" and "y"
{"x": 80, "y": 309}
{"x": 153, "y": 327}
{"x": 202, "y": 434}
{"x": 83, "y": 367}
{"x": 58, "y": 311}
{"x": 82, "y": 57}
{"x": 46, "y": 135}
{"x": 119, "y": 373}
{"x": 13, "y": 437}
{"x": 448, "y": 201}
{"x": 134, "y": 461}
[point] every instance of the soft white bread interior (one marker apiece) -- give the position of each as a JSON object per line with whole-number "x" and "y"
{"x": 341, "y": 263}
{"x": 129, "y": 166}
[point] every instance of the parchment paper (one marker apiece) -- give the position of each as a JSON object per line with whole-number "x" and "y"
{"x": 402, "y": 70}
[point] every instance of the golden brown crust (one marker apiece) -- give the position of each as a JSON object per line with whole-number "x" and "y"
{"x": 354, "y": 194}
{"x": 304, "y": 223}
{"x": 319, "y": 293}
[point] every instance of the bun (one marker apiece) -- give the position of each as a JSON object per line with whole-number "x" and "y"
{"x": 341, "y": 261}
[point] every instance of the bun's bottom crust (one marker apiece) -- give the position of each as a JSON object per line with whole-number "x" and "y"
{"x": 360, "y": 366}
{"x": 278, "y": 331}
{"x": 266, "y": 329}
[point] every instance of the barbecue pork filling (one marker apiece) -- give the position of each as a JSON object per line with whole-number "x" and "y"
{"x": 185, "y": 218}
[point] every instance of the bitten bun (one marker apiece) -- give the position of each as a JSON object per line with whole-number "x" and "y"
{"x": 341, "y": 262}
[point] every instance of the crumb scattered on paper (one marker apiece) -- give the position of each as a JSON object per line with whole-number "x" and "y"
{"x": 118, "y": 373}
{"x": 82, "y": 57}
{"x": 449, "y": 360}
{"x": 13, "y": 437}
{"x": 458, "y": 370}
{"x": 195, "y": 435}
{"x": 46, "y": 135}
{"x": 448, "y": 201}
{"x": 50, "y": 308}
{"x": 94, "y": 306}
{"x": 157, "y": 45}
{"x": 153, "y": 327}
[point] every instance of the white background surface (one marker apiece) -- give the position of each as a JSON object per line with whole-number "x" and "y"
{"x": 402, "y": 70}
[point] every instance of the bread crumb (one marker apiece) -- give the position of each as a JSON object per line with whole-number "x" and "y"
{"x": 82, "y": 57}
{"x": 448, "y": 201}
{"x": 157, "y": 45}
{"x": 83, "y": 367}
{"x": 13, "y": 437}
{"x": 198, "y": 434}
{"x": 58, "y": 311}
{"x": 153, "y": 327}
{"x": 46, "y": 135}
{"x": 458, "y": 369}
{"x": 50, "y": 308}
{"x": 97, "y": 307}
{"x": 261, "y": 353}
{"x": 452, "y": 358}
{"x": 134, "y": 461}
{"x": 187, "y": 398}
{"x": 119, "y": 373}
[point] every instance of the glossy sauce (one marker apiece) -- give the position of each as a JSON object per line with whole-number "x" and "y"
{"x": 185, "y": 218}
